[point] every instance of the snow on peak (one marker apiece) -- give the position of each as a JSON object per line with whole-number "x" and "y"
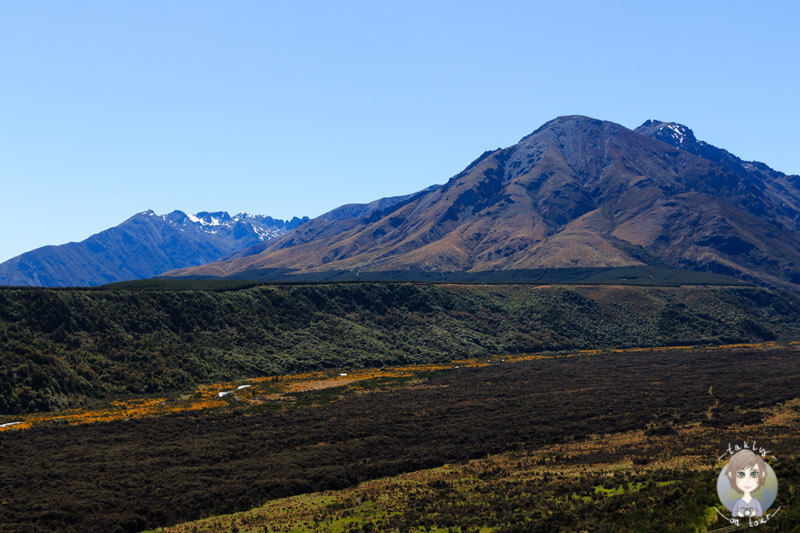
{"x": 259, "y": 227}
{"x": 265, "y": 234}
{"x": 678, "y": 132}
{"x": 204, "y": 218}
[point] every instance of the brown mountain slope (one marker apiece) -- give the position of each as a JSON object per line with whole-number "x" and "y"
{"x": 577, "y": 192}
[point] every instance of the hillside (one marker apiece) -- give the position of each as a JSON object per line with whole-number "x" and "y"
{"x": 144, "y": 246}
{"x": 64, "y": 347}
{"x": 577, "y": 192}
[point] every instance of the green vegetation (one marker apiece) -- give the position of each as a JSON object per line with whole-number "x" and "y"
{"x": 535, "y": 490}
{"x": 65, "y": 347}
{"x": 150, "y": 472}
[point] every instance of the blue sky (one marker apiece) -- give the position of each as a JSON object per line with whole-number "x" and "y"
{"x": 296, "y": 107}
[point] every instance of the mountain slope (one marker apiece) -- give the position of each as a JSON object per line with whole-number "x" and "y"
{"x": 577, "y": 192}
{"x": 782, "y": 192}
{"x": 143, "y": 246}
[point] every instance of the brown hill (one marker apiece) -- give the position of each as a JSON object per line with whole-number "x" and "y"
{"x": 577, "y": 192}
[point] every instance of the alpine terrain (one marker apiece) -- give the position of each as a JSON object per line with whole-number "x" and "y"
{"x": 144, "y": 246}
{"x": 577, "y": 192}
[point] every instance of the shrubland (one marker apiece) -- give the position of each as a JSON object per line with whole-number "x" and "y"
{"x": 146, "y": 472}
{"x": 65, "y": 347}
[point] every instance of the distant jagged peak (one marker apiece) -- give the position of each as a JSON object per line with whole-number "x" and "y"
{"x": 678, "y": 132}
{"x": 145, "y": 245}
{"x": 213, "y": 220}
{"x": 216, "y": 218}
{"x": 683, "y": 138}
{"x": 203, "y": 218}
{"x": 146, "y": 214}
{"x": 176, "y": 216}
{"x": 673, "y": 133}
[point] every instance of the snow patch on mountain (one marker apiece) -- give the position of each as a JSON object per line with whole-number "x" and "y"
{"x": 143, "y": 246}
{"x": 263, "y": 227}
{"x": 678, "y": 132}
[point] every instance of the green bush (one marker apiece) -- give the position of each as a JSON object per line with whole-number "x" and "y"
{"x": 61, "y": 347}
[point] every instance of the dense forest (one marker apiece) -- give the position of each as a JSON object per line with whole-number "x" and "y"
{"x": 65, "y": 347}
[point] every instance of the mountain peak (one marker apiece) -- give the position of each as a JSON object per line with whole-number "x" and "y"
{"x": 145, "y": 245}
{"x": 565, "y": 120}
{"x": 212, "y": 219}
{"x": 672, "y": 133}
{"x": 577, "y": 192}
{"x": 575, "y": 124}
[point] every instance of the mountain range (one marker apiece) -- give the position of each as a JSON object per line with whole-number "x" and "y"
{"x": 144, "y": 246}
{"x": 577, "y": 192}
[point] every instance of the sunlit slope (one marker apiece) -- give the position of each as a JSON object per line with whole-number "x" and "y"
{"x": 577, "y": 192}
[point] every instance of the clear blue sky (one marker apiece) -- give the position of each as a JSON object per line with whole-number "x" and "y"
{"x": 296, "y": 107}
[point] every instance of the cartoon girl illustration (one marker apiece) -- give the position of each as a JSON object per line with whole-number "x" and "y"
{"x": 746, "y": 473}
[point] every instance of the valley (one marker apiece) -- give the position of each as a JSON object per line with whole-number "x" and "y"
{"x": 402, "y": 267}
{"x": 541, "y": 415}
{"x": 165, "y": 402}
{"x": 562, "y": 336}
{"x": 286, "y": 391}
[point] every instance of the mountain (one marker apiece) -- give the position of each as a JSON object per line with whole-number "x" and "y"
{"x": 577, "y": 192}
{"x": 144, "y": 246}
{"x": 359, "y": 211}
